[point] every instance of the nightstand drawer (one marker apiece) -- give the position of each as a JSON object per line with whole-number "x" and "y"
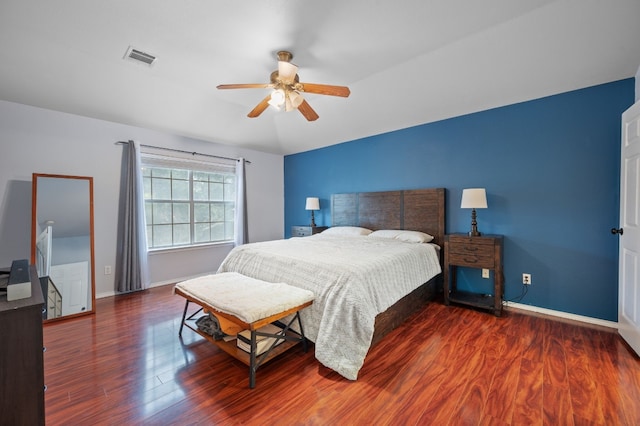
{"x": 300, "y": 231}
{"x": 472, "y": 252}
{"x": 471, "y": 243}
{"x": 473, "y": 260}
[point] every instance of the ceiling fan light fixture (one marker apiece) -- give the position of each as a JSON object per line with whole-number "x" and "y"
{"x": 295, "y": 98}
{"x": 288, "y": 106}
{"x": 287, "y": 71}
{"x": 277, "y": 98}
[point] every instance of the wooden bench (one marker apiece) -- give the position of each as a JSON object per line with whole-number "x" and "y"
{"x": 242, "y": 303}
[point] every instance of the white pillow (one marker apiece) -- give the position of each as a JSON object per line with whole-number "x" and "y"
{"x": 402, "y": 235}
{"x": 346, "y": 230}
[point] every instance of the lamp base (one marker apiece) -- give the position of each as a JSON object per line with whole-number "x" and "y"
{"x": 313, "y": 221}
{"x": 474, "y": 225}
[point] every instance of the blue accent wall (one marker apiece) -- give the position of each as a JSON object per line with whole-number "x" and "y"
{"x": 551, "y": 170}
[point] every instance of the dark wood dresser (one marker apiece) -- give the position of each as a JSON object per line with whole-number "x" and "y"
{"x": 21, "y": 358}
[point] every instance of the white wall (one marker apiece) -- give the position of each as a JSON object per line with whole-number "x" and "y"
{"x": 35, "y": 140}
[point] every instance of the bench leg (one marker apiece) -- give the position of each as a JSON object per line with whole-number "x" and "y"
{"x": 305, "y": 346}
{"x": 184, "y": 316}
{"x": 252, "y": 361}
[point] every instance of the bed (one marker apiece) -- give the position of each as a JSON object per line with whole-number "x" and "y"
{"x": 365, "y": 286}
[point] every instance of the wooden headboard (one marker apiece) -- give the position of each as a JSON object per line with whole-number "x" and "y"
{"x": 416, "y": 209}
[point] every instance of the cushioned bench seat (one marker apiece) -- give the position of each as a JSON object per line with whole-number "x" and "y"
{"x": 242, "y": 303}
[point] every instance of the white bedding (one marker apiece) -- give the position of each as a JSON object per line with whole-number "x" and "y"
{"x": 353, "y": 278}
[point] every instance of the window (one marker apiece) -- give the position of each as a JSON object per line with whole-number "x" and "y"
{"x": 188, "y": 203}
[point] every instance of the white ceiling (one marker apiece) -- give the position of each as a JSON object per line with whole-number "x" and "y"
{"x": 407, "y": 62}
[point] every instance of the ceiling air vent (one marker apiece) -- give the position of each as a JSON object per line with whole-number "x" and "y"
{"x": 139, "y": 56}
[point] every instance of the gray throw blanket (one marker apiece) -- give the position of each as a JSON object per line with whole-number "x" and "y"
{"x": 209, "y": 324}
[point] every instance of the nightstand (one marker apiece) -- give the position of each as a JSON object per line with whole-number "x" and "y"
{"x": 483, "y": 252}
{"x": 305, "y": 231}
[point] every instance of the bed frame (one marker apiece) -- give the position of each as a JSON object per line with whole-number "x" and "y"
{"x": 417, "y": 210}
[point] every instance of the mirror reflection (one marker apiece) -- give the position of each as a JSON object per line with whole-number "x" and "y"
{"x": 62, "y": 243}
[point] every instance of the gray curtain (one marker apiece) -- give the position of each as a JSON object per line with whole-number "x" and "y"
{"x": 131, "y": 263}
{"x": 241, "y": 235}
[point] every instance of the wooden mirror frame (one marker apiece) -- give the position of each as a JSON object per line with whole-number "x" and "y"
{"x": 34, "y": 218}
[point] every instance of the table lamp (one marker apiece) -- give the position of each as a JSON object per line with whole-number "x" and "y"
{"x": 474, "y": 198}
{"x": 313, "y": 203}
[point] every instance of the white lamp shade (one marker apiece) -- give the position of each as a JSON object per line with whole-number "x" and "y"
{"x": 313, "y": 203}
{"x": 277, "y": 98}
{"x": 474, "y": 198}
{"x": 295, "y": 98}
{"x": 287, "y": 71}
{"x": 292, "y": 100}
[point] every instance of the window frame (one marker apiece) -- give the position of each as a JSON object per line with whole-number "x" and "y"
{"x": 152, "y": 161}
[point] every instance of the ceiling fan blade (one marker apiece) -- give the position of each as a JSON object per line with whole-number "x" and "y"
{"x": 308, "y": 112}
{"x": 326, "y": 89}
{"x": 244, "y": 86}
{"x": 259, "y": 109}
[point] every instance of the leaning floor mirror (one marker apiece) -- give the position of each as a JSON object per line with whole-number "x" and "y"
{"x": 62, "y": 245}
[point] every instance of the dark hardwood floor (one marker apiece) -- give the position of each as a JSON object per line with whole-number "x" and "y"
{"x": 446, "y": 365}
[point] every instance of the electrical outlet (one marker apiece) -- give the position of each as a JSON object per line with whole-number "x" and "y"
{"x": 107, "y": 270}
{"x": 485, "y": 273}
{"x": 526, "y": 279}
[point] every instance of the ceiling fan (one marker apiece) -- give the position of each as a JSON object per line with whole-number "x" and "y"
{"x": 287, "y": 90}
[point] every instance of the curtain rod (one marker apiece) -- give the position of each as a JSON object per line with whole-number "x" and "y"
{"x": 186, "y": 152}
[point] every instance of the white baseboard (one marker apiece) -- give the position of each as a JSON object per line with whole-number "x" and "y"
{"x": 565, "y": 315}
{"x": 103, "y": 295}
{"x": 545, "y": 311}
{"x": 152, "y": 285}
